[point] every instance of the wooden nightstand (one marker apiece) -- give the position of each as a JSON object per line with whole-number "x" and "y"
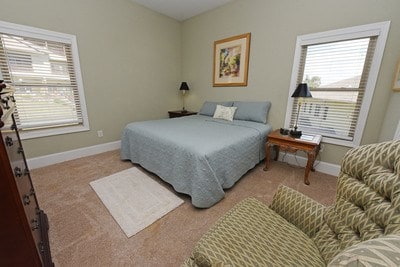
{"x": 306, "y": 143}
{"x": 180, "y": 113}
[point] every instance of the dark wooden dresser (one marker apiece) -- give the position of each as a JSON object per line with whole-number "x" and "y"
{"x": 23, "y": 227}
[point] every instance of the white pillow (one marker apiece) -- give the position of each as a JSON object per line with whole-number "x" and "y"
{"x": 225, "y": 113}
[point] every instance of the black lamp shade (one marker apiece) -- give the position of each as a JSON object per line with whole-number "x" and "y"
{"x": 184, "y": 86}
{"x": 302, "y": 91}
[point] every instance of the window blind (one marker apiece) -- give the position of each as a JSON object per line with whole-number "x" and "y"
{"x": 43, "y": 75}
{"x": 337, "y": 74}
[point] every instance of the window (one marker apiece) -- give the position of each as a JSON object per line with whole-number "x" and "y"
{"x": 340, "y": 68}
{"x": 43, "y": 67}
{"x": 18, "y": 62}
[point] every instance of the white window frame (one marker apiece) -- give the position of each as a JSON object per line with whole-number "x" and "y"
{"x": 27, "y": 31}
{"x": 380, "y": 29}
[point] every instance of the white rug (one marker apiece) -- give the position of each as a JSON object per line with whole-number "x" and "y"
{"x": 134, "y": 199}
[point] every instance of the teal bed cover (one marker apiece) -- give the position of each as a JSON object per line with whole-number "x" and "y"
{"x": 198, "y": 155}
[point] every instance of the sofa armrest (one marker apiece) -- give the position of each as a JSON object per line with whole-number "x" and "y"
{"x": 382, "y": 251}
{"x": 298, "y": 209}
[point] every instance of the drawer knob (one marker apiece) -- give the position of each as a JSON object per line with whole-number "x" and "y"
{"x": 17, "y": 172}
{"x": 5, "y": 102}
{"x": 42, "y": 247}
{"x": 20, "y": 150}
{"x": 26, "y": 199}
{"x": 9, "y": 141}
{"x": 35, "y": 224}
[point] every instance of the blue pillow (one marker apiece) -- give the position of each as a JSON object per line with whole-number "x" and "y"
{"x": 252, "y": 111}
{"x": 208, "y": 108}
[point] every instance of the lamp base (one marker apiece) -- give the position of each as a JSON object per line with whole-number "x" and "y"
{"x": 295, "y": 133}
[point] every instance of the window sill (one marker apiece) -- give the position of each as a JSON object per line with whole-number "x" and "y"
{"x": 339, "y": 142}
{"x": 50, "y": 132}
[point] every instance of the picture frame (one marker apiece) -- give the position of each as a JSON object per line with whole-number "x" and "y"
{"x": 396, "y": 79}
{"x": 231, "y": 61}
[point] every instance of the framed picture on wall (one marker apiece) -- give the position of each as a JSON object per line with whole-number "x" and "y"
{"x": 396, "y": 80}
{"x": 231, "y": 61}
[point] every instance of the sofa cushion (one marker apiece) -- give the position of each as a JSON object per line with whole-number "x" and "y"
{"x": 383, "y": 251}
{"x": 251, "y": 234}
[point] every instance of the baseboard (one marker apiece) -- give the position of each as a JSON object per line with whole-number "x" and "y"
{"x": 43, "y": 161}
{"x": 320, "y": 166}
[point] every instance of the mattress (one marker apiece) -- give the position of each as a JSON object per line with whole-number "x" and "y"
{"x": 198, "y": 155}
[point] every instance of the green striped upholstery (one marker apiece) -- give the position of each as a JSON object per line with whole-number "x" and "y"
{"x": 362, "y": 227}
{"x": 251, "y": 234}
{"x": 298, "y": 209}
{"x": 383, "y": 251}
{"x": 367, "y": 199}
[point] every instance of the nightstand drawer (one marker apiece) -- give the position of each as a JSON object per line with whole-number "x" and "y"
{"x": 288, "y": 149}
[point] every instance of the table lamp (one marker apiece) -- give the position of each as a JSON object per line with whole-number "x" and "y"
{"x": 300, "y": 92}
{"x": 184, "y": 87}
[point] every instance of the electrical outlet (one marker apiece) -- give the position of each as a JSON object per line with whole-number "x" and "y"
{"x": 100, "y": 133}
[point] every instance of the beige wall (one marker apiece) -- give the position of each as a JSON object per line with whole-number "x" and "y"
{"x": 130, "y": 61}
{"x": 274, "y": 25}
{"x": 392, "y": 118}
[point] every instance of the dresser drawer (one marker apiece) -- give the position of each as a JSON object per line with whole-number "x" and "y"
{"x": 14, "y": 151}
{"x": 24, "y": 228}
{"x": 22, "y": 178}
{"x": 32, "y": 214}
{"x": 16, "y": 157}
{"x": 11, "y": 140}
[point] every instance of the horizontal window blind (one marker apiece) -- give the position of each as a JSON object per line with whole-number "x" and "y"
{"x": 337, "y": 74}
{"x": 43, "y": 75}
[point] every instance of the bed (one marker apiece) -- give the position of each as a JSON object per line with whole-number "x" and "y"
{"x": 199, "y": 155}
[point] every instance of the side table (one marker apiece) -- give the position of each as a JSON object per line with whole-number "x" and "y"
{"x": 180, "y": 113}
{"x": 307, "y": 143}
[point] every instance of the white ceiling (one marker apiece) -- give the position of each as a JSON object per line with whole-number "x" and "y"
{"x": 181, "y": 9}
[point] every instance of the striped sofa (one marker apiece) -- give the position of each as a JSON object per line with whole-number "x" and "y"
{"x": 362, "y": 227}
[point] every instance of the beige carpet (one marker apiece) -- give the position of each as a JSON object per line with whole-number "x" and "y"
{"x": 82, "y": 232}
{"x": 134, "y": 199}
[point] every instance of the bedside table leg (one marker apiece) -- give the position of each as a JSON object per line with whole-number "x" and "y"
{"x": 267, "y": 155}
{"x": 316, "y": 154}
{"x": 310, "y": 166}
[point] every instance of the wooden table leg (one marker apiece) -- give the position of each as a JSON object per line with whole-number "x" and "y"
{"x": 267, "y": 155}
{"x": 316, "y": 154}
{"x": 309, "y": 167}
